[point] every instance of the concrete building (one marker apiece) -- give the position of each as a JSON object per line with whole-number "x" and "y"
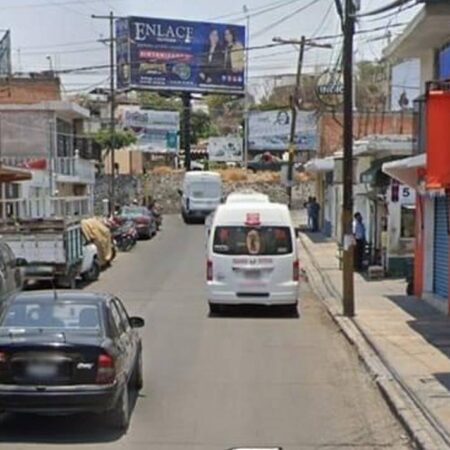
{"x": 44, "y": 137}
{"x": 427, "y": 38}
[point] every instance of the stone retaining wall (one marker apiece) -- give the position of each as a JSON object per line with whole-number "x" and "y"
{"x": 164, "y": 187}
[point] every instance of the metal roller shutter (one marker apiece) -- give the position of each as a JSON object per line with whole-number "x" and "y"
{"x": 440, "y": 277}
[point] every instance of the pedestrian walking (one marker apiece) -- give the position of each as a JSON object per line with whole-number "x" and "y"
{"x": 315, "y": 211}
{"x": 359, "y": 233}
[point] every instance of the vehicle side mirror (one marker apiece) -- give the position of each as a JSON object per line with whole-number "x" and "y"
{"x": 137, "y": 322}
{"x": 21, "y": 262}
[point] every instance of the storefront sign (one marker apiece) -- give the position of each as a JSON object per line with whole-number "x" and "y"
{"x": 330, "y": 89}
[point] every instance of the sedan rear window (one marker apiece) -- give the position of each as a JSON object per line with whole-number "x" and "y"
{"x": 252, "y": 241}
{"x": 60, "y": 315}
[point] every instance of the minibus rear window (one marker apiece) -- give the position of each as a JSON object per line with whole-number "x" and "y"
{"x": 252, "y": 241}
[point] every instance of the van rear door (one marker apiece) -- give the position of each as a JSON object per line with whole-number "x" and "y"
{"x": 253, "y": 260}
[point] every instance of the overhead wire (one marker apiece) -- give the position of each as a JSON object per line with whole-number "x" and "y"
{"x": 284, "y": 19}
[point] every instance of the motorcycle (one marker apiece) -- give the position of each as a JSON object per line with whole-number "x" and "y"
{"x": 124, "y": 234}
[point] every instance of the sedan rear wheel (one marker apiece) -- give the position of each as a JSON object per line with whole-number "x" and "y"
{"x": 120, "y": 415}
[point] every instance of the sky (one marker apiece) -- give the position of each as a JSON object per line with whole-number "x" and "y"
{"x": 64, "y": 31}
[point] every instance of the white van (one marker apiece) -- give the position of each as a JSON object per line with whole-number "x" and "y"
{"x": 247, "y": 196}
{"x": 252, "y": 256}
{"x": 200, "y": 195}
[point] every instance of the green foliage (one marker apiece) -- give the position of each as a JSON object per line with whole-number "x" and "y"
{"x": 152, "y": 100}
{"x": 122, "y": 138}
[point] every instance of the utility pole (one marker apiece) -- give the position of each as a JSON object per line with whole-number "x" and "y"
{"x": 112, "y": 120}
{"x": 186, "y": 97}
{"x": 347, "y": 213}
{"x": 246, "y": 108}
{"x": 294, "y": 102}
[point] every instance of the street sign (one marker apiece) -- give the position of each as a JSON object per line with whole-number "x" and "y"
{"x": 330, "y": 89}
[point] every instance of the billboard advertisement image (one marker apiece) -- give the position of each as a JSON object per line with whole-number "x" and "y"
{"x": 225, "y": 149}
{"x": 156, "y": 131}
{"x": 177, "y": 55}
{"x": 270, "y": 130}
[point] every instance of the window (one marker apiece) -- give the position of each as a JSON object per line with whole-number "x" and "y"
{"x": 252, "y": 241}
{"x": 44, "y": 314}
{"x": 123, "y": 314}
{"x": 117, "y": 320}
{"x": 407, "y": 221}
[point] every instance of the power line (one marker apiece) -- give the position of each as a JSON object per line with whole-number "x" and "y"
{"x": 284, "y": 18}
{"x": 256, "y": 11}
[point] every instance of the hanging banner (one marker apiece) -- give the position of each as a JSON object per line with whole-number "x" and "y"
{"x": 156, "y": 131}
{"x": 270, "y": 130}
{"x": 5, "y": 55}
{"x": 178, "y": 55}
{"x": 225, "y": 149}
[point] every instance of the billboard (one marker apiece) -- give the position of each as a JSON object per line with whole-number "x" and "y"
{"x": 156, "y": 131}
{"x": 178, "y": 55}
{"x": 225, "y": 149}
{"x": 269, "y": 130}
{"x": 5, "y": 55}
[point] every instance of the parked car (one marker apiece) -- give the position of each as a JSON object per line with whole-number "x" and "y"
{"x": 64, "y": 352}
{"x": 11, "y": 271}
{"x": 265, "y": 161}
{"x": 142, "y": 218}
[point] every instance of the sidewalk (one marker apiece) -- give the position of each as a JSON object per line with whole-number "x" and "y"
{"x": 402, "y": 340}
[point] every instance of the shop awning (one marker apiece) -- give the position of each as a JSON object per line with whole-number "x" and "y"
{"x": 406, "y": 170}
{"x": 10, "y": 174}
{"x": 374, "y": 174}
{"x": 320, "y": 165}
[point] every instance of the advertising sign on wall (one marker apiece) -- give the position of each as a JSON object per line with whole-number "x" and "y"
{"x": 444, "y": 63}
{"x": 156, "y": 131}
{"x": 225, "y": 149}
{"x": 178, "y": 55}
{"x": 5, "y": 55}
{"x": 269, "y": 130}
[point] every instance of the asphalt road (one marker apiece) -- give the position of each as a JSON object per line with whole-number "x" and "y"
{"x": 253, "y": 379}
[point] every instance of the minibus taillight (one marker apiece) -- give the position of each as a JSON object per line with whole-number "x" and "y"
{"x": 209, "y": 270}
{"x": 296, "y": 270}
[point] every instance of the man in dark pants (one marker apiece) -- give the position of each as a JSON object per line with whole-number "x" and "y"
{"x": 315, "y": 211}
{"x": 359, "y": 232}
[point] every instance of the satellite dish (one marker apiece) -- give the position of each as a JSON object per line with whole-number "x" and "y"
{"x": 403, "y": 100}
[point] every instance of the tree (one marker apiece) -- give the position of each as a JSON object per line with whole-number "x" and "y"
{"x": 122, "y": 138}
{"x": 152, "y": 100}
{"x": 371, "y": 85}
{"x": 227, "y": 113}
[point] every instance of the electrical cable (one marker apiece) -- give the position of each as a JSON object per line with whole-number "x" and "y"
{"x": 284, "y": 19}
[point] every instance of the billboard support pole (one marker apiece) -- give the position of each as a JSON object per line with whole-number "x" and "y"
{"x": 186, "y": 97}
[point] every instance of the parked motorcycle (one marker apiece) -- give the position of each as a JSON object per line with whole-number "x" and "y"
{"x": 124, "y": 234}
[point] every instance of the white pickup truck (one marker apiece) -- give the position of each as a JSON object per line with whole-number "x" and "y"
{"x": 52, "y": 248}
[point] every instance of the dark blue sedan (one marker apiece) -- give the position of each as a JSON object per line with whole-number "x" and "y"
{"x": 69, "y": 352}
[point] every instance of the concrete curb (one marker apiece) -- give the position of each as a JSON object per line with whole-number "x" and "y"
{"x": 417, "y": 420}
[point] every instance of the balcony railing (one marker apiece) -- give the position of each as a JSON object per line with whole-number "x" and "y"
{"x": 80, "y": 168}
{"x": 22, "y": 208}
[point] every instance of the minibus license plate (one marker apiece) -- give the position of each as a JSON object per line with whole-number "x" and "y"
{"x": 253, "y": 274}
